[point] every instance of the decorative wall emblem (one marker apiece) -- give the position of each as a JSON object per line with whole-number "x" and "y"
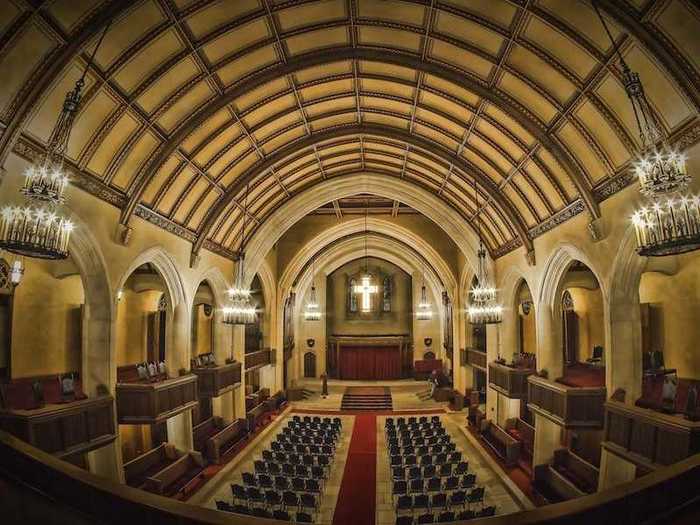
{"x": 310, "y": 342}
{"x": 428, "y": 341}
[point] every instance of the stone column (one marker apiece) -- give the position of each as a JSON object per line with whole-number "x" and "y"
{"x": 239, "y": 355}
{"x": 178, "y": 358}
{"x": 222, "y": 406}
{"x": 549, "y": 352}
{"x": 614, "y": 470}
{"x": 547, "y": 440}
{"x": 623, "y": 360}
{"x": 493, "y": 345}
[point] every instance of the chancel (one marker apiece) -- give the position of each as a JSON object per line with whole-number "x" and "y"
{"x": 350, "y": 262}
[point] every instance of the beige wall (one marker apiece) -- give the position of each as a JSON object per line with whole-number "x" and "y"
{"x": 678, "y": 298}
{"x": 398, "y": 321}
{"x": 202, "y": 331}
{"x": 132, "y": 324}
{"x": 46, "y": 323}
{"x": 529, "y": 332}
{"x": 588, "y": 305}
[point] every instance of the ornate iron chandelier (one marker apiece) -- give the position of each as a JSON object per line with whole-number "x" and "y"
{"x": 313, "y": 311}
{"x": 36, "y": 228}
{"x": 484, "y": 307}
{"x": 240, "y": 311}
{"x": 425, "y": 310}
{"x": 669, "y": 223}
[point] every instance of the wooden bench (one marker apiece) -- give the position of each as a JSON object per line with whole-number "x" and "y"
{"x": 204, "y": 430}
{"x": 256, "y": 415}
{"x": 502, "y": 443}
{"x": 228, "y": 439}
{"x": 20, "y": 394}
{"x": 523, "y": 432}
{"x": 146, "y": 465}
{"x": 256, "y": 398}
{"x": 177, "y": 476}
{"x": 577, "y": 470}
{"x": 277, "y": 403}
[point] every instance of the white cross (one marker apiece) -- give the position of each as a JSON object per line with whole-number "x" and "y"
{"x": 366, "y": 289}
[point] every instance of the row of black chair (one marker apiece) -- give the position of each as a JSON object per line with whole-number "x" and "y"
{"x": 446, "y": 516}
{"x": 402, "y": 421}
{"x": 412, "y": 460}
{"x": 284, "y": 499}
{"x": 261, "y": 512}
{"x": 429, "y": 471}
{"x": 435, "y": 484}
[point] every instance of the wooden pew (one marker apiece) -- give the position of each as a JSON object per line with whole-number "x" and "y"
{"x": 177, "y": 476}
{"x": 226, "y": 440}
{"x": 277, "y": 403}
{"x": 146, "y": 465}
{"x": 502, "y": 443}
{"x": 204, "y": 430}
{"x": 577, "y": 470}
{"x": 523, "y": 432}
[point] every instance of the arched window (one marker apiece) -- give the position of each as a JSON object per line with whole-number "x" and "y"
{"x": 352, "y": 296}
{"x": 386, "y": 294}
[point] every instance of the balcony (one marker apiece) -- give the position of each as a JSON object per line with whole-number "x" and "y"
{"x": 212, "y": 381}
{"x": 568, "y": 406}
{"x": 509, "y": 380}
{"x": 649, "y": 438}
{"x": 258, "y": 359}
{"x": 64, "y": 429}
{"x": 150, "y": 403}
{"x": 476, "y": 358}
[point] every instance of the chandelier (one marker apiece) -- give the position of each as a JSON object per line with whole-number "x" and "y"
{"x": 484, "y": 307}
{"x": 36, "y": 228}
{"x": 366, "y": 288}
{"x": 669, "y": 222}
{"x": 425, "y": 310}
{"x": 313, "y": 311}
{"x": 240, "y": 310}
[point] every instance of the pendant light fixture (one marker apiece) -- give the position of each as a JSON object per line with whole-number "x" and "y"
{"x": 240, "y": 311}
{"x": 313, "y": 311}
{"x": 669, "y": 223}
{"x": 366, "y": 288}
{"x": 484, "y": 307}
{"x": 37, "y": 229}
{"x": 424, "y": 311}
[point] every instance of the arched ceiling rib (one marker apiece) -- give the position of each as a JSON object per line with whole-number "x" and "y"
{"x": 187, "y": 96}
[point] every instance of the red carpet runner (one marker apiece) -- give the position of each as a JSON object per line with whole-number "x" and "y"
{"x": 357, "y": 498}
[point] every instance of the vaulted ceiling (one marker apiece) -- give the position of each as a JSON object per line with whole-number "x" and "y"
{"x": 190, "y": 102}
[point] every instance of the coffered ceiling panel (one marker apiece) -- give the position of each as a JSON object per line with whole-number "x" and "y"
{"x": 191, "y": 102}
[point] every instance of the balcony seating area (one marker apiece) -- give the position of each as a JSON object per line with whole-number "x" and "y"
{"x": 506, "y": 447}
{"x": 422, "y": 368}
{"x": 142, "y": 373}
{"x": 568, "y": 406}
{"x": 152, "y": 398}
{"x": 215, "y": 379}
{"x": 567, "y": 477}
{"x": 652, "y": 394}
{"x": 31, "y": 393}
{"x": 510, "y": 379}
{"x": 430, "y": 478}
{"x": 52, "y": 413}
{"x": 288, "y": 479}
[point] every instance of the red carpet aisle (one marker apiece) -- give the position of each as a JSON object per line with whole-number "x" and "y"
{"x": 357, "y": 498}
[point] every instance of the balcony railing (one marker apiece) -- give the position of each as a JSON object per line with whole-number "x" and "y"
{"x": 647, "y": 437}
{"x": 212, "y": 381}
{"x": 150, "y": 403}
{"x": 65, "y": 429}
{"x": 568, "y": 406}
{"x": 476, "y": 358}
{"x": 257, "y": 359}
{"x": 509, "y": 381}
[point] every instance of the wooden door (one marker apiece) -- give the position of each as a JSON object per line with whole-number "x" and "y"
{"x": 309, "y": 364}
{"x": 570, "y": 337}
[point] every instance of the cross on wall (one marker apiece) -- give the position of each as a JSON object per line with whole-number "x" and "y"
{"x": 365, "y": 288}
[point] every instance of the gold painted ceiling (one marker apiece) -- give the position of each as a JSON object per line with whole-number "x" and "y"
{"x": 189, "y": 101}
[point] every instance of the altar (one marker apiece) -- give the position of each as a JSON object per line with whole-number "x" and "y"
{"x": 370, "y": 357}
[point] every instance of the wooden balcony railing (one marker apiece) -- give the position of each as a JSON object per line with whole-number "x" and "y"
{"x": 257, "y": 359}
{"x": 150, "y": 403}
{"x": 212, "y": 381}
{"x": 65, "y": 429}
{"x": 566, "y": 405}
{"x": 40, "y": 488}
{"x": 647, "y": 437}
{"x": 476, "y": 358}
{"x": 508, "y": 380}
